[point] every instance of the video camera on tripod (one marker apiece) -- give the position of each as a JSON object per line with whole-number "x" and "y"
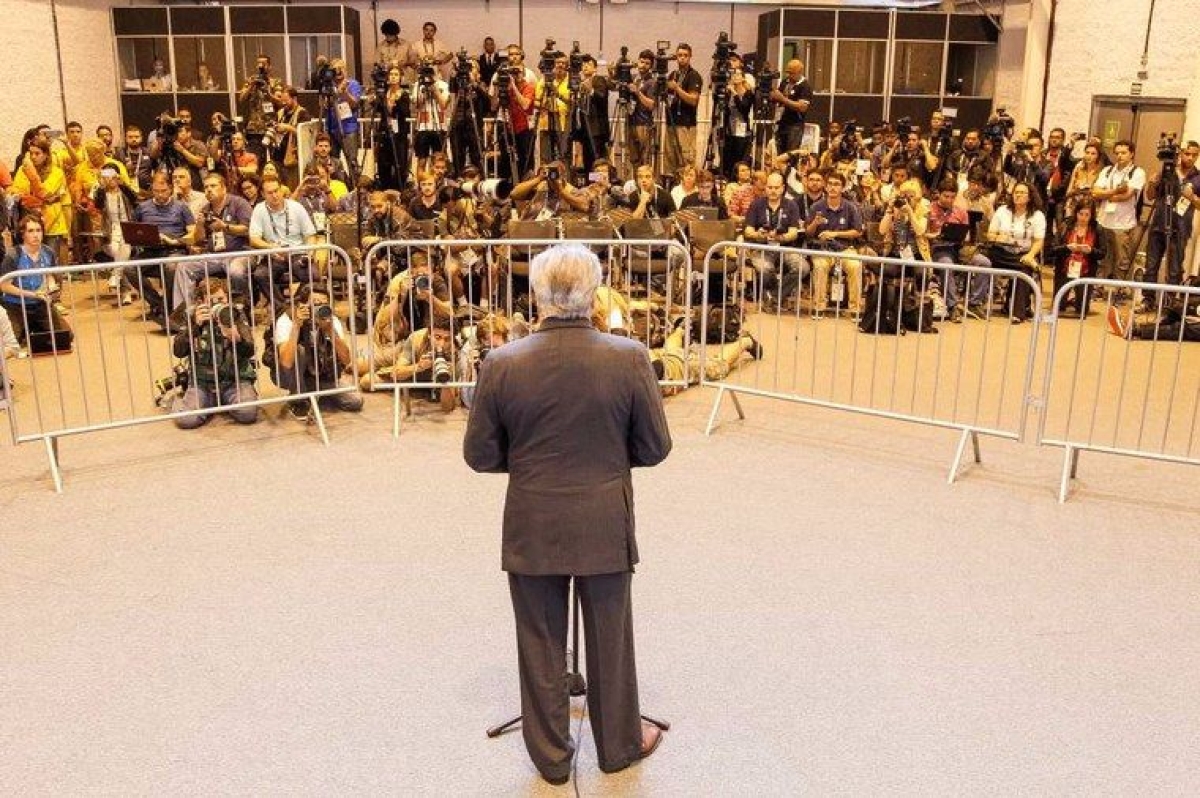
{"x": 574, "y": 68}
{"x": 327, "y": 79}
{"x": 1168, "y": 150}
{"x": 623, "y": 75}
{"x": 426, "y": 73}
{"x": 999, "y": 128}
{"x": 764, "y": 83}
{"x": 547, "y": 58}
{"x": 462, "y": 71}
{"x": 721, "y": 70}
{"x": 662, "y": 64}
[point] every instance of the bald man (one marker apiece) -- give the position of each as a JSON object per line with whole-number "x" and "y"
{"x": 793, "y": 96}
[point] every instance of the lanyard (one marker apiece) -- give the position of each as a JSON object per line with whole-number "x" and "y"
{"x": 287, "y": 223}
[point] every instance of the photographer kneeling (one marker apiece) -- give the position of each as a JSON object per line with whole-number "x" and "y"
{"x": 311, "y": 352}
{"x": 428, "y": 356}
{"x": 219, "y": 348}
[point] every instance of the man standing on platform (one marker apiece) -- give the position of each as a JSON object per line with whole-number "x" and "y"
{"x": 569, "y": 511}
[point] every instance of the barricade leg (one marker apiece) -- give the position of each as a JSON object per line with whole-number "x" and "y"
{"x": 52, "y": 455}
{"x": 1069, "y": 471}
{"x": 318, "y": 418}
{"x": 967, "y": 434}
{"x": 737, "y": 404}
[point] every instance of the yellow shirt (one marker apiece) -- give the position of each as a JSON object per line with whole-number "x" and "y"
{"x": 561, "y": 104}
{"x": 48, "y": 196}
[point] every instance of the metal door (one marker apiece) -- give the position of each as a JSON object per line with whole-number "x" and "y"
{"x": 1142, "y": 120}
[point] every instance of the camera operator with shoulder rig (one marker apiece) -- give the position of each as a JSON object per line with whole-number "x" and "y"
{"x": 218, "y": 346}
{"x": 257, "y": 96}
{"x": 312, "y": 352}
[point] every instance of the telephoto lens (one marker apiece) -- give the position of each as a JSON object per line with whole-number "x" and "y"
{"x": 323, "y": 313}
{"x": 441, "y": 370}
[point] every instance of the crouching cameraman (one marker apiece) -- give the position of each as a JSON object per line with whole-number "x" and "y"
{"x": 219, "y": 348}
{"x": 311, "y": 352}
{"x": 428, "y": 356}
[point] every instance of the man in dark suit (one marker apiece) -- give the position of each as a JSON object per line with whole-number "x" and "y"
{"x": 489, "y": 61}
{"x": 567, "y": 412}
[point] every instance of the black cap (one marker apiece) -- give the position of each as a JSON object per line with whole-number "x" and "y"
{"x": 390, "y": 27}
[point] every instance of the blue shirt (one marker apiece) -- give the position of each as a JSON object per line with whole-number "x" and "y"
{"x": 18, "y": 259}
{"x": 350, "y": 123}
{"x": 785, "y": 216}
{"x": 172, "y": 219}
{"x": 846, "y": 217}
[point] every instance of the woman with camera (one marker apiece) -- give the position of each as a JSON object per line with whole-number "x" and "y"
{"x": 391, "y": 141}
{"x": 1017, "y": 234}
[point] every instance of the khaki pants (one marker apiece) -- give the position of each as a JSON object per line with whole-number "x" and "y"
{"x": 853, "y": 269}
{"x": 679, "y": 148}
{"x": 1118, "y": 261}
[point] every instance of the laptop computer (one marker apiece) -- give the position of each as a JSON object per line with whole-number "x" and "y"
{"x": 141, "y": 234}
{"x": 704, "y": 213}
{"x": 955, "y": 233}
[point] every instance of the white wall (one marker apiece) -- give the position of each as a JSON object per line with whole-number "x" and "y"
{"x": 1098, "y": 49}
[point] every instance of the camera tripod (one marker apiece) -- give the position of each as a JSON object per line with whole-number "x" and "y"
{"x": 506, "y": 141}
{"x": 548, "y": 107}
{"x": 715, "y": 148}
{"x": 385, "y": 139}
{"x": 618, "y": 134}
{"x": 576, "y": 684}
{"x": 1164, "y": 204}
{"x": 463, "y": 147}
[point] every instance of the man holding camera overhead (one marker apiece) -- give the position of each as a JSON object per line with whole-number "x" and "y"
{"x": 257, "y": 95}
{"x": 219, "y": 348}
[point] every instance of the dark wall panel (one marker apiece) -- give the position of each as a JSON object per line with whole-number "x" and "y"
{"x": 256, "y": 20}
{"x": 140, "y": 21}
{"x": 204, "y": 21}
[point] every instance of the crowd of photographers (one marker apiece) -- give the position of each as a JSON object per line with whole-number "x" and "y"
{"x": 569, "y": 140}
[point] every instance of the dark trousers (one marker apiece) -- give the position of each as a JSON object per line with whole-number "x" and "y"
{"x": 541, "y": 609}
{"x": 1156, "y": 251}
{"x": 735, "y": 149}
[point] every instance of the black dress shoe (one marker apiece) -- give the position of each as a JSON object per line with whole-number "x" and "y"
{"x": 557, "y": 781}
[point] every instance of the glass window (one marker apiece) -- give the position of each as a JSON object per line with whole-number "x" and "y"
{"x": 201, "y": 63}
{"x": 975, "y": 66}
{"x": 860, "y": 67}
{"x": 145, "y": 64}
{"x": 304, "y": 51}
{"x": 246, "y": 50}
{"x": 817, "y": 55}
{"x": 917, "y": 68}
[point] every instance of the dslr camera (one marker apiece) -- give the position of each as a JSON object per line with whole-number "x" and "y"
{"x": 1168, "y": 149}
{"x": 426, "y": 74}
{"x": 904, "y": 126}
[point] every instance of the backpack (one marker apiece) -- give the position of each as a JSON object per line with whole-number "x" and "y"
{"x": 916, "y": 312}
{"x": 881, "y": 309}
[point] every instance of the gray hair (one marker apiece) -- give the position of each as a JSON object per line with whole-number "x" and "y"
{"x": 564, "y": 280}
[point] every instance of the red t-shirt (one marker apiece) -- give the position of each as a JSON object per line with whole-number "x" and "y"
{"x": 519, "y": 116}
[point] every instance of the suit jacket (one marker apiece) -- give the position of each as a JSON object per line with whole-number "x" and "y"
{"x": 488, "y": 64}
{"x": 566, "y": 413}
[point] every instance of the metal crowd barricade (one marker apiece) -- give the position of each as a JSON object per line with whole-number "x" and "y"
{"x": 112, "y": 367}
{"x": 646, "y": 294}
{"x": 973, "y": 376}
{"x": 1123, "y": 382}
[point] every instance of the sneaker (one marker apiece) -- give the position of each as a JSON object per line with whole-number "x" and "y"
{"x": 127, "y": 297}
{"x": 754, "y": 347}
{"x": 1117, "y": 324}
{"x": 114, "y": 284}
{"x": 956, "y": 315}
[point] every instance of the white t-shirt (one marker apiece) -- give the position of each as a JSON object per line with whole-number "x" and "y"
{"x": 284, "y": 324}
{"x": 1120, "y": 215}
{"x": 1021, "y": 230}
{"x": 427, "y": 112}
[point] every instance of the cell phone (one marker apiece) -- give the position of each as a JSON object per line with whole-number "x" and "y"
{"x": 596, "y": 177}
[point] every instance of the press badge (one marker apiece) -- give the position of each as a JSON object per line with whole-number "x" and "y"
{"x": 906, "y": 252}
{"x": 218, "y": 240}
{"x": 268, "y": 108}
{"x": 1074, "y": 268}
{"x": 1183, "y": 206}
{"x": 343, "y": 110}
{"x": 319, "y": 221}
{"x": 394, "y": 124}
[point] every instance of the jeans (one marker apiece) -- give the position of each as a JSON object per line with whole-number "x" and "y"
{"x": 198, "y": 397}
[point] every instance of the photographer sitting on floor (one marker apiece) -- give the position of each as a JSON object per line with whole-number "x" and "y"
{"x": 429, "y": 356}
{"x": 219, "y": 348}
{"x": 310, "y": 351}
{"x": 414, "y": 297}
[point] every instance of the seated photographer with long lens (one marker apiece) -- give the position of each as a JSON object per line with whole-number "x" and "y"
{"x": 490, "y": 332}
{"x": 218, "y": 346}
{"x": 548, "y": 194}
{"x": 312, "y": 352}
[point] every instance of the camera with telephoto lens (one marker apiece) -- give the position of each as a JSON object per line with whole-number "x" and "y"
{"x": 221, "y": 313}
{"x": 1168, "y": 149}
{"x": 899, "y": 202}
{"x": 442, "y": 371}
{"x": 662, "y": 64}
{"x": 322, "y": 313}
{"x": 270, "y": 137}
{"x": 168, "y": 127}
